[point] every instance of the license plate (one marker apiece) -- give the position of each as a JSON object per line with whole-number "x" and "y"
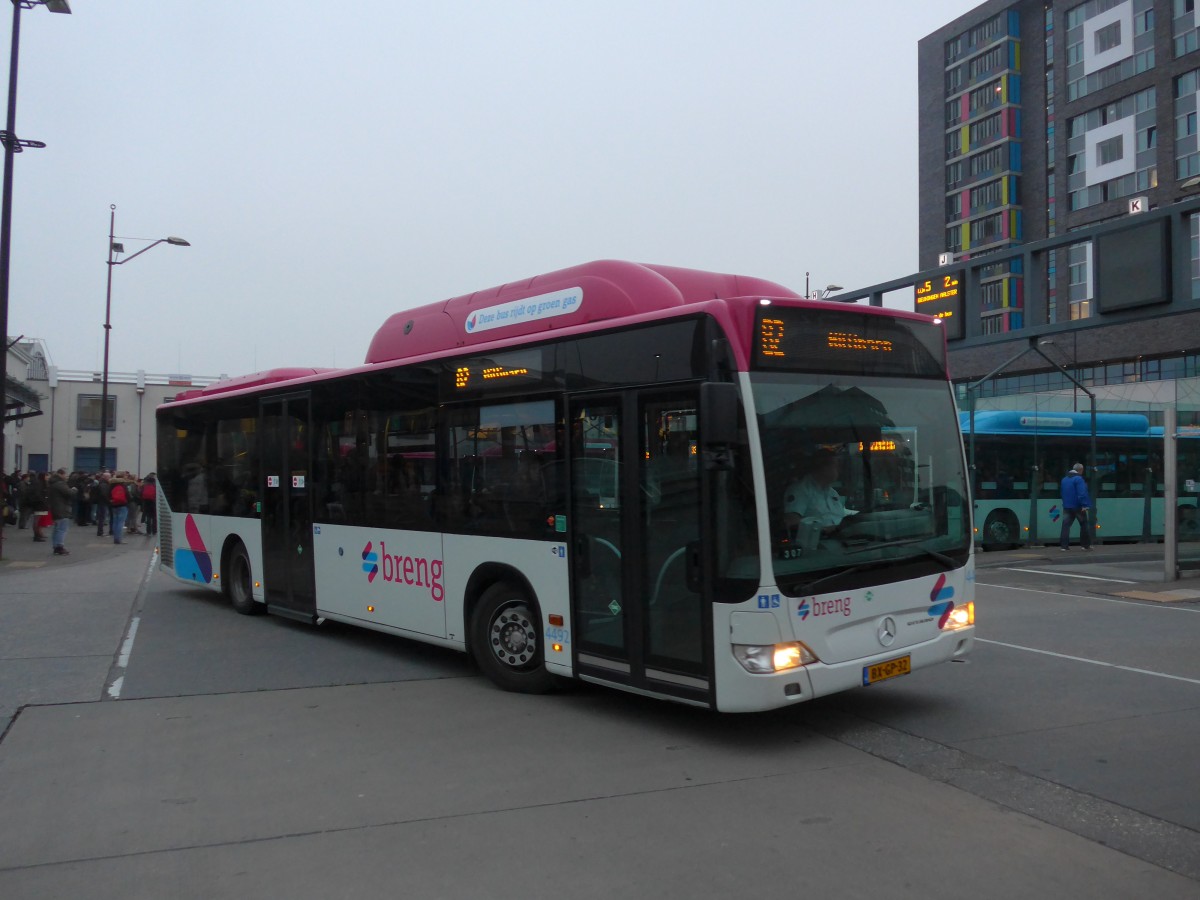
{"x": 891, "y": 668}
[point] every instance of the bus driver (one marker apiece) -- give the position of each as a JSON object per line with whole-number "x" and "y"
{"x": 813, "y": 500}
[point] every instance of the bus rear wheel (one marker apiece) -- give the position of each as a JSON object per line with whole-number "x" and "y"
{"x": 506, "y": 640}
{"x": 1000, "y": 531}
{"x": 239, "y": 582}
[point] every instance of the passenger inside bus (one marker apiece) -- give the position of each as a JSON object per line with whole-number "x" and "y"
{"x": 813, "y": 500}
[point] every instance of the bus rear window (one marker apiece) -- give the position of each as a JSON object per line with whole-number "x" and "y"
{"x": 817, "y": 340}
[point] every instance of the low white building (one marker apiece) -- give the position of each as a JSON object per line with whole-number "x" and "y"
{"x": 57, "y": 422}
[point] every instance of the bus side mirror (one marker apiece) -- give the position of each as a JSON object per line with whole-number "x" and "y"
{"x": 719, "y": 413}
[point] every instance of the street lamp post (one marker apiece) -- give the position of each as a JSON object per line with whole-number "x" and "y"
{"x": 12, "y": 146}
{"x": 114, "y": 247}
{"x": 821, "y": 294}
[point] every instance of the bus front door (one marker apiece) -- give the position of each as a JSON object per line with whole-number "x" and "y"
{"x": 288, "y": 573}
{"x": 640, "y": 611}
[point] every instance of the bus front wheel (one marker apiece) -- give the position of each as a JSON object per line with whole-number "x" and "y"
{"x": 506, "y": 640}
{"x": 239, "y": 582}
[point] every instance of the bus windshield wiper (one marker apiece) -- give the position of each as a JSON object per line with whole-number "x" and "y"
{"x": 948, "y": 561}
{"x": 810, "y": 588}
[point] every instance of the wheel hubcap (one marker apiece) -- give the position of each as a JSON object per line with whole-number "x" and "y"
{"x": 513, "y": 639}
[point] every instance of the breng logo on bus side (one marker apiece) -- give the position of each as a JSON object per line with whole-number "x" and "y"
{"x": 193, "y": 562}
{"x": 942, "y": 598}
{"x": 401, "y": 570}
{"x": 370, "y": 563}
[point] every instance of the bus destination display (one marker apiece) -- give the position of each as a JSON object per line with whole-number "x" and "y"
{"x": 942, "y": 297}
{"x": 808, "y": 340}
{"x": 520, "y": 366}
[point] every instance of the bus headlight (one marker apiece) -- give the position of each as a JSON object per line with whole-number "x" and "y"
{"x": 962, "y": 616}
{"x": 764, "y": 659}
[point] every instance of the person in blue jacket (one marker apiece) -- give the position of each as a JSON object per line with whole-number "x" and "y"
{"x": 1076, "y": 502}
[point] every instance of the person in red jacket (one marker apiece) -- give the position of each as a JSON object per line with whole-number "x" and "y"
{"x": 150, "y": 503}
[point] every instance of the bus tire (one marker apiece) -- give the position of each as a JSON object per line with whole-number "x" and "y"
{"x": 506, "y": 640}
{"x": 239, "y": 582}
{"x": 1000, "y": 531}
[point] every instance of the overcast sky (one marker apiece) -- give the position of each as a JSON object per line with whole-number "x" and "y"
{"x": 334, "y": 163}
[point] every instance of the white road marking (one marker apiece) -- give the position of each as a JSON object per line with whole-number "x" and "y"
{"x": 114, "y": 689}
{"x": 1125, "y": 600}
{"x": 1066, "y": 575}
{"x": 1094, "y": 662}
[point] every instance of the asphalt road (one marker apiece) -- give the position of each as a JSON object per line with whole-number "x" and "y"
{"x": 160, "y": 745}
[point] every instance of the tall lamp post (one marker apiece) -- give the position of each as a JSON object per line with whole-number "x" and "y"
{"x": 12, "y": 145}
{"x": 114, "y": 247}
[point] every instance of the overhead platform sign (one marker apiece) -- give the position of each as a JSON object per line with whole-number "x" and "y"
{"x": 942, "y": 297}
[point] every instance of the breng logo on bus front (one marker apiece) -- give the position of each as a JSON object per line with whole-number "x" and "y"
{"x": 837, "y": 606}
{"x": 943, "y": 603}
{"x": 404, "y": 571}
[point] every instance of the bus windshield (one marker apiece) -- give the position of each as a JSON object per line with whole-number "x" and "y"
{"x": 862, "y": 473}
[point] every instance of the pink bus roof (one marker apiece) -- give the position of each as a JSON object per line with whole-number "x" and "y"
{"x": 248, "y": 381}
{"x": 592, "y": 292}
{"x": 595, "y": 292}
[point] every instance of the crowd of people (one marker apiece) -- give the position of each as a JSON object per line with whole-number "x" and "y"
{"x": 116, "y": 503}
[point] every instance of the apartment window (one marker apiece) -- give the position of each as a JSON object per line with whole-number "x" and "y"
{"x": 1126, "y": 68}
{"x": 954, "y": 79}
{"x": 1110, "y": 151}
{"x": 986, "y": 229}
{"x": 953, "y": 112}
{"x": 953, "y": 207}
{"x": 1194, "y": 230}
{"x": 1078, "y": 272}
{"x": 87, "y": 416}
{"x": 991, "y": 295}
{"x": 953, "y": 144}
{"x": 988, "y": 161}
{"x": 954, "y": 49}
{"x": 987, "y": 96}
{"x": 981, "y": 34}
{"x": 987, "y": 195}
{"x": 1185, "y": 125}
{"x": 954, "y": 174}
{"x": 1108, "y": 37}
{"x": 986, "y": 62}
{"x": 985, "y": 129}
{"x": 1187, "y": 83}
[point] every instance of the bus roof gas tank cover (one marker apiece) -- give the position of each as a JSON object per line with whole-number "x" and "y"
{"x": 592, "y": 292}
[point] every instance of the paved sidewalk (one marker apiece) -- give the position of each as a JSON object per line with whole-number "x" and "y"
{"x": 65, "y": 617}
{"x": 20, "y": 551}
{"x": 1142, "y": 564}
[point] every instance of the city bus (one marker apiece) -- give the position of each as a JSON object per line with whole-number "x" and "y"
{"x": 1020, "y": 456}
{"x": 581, "y": 476}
